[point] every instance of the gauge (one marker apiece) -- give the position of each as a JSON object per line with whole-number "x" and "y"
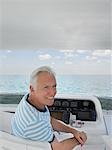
{"x": 57, "y": 103}
{"x": 65, "y": 104}
{"x": 86, "y": 103}
{"x": 74, "y": 104}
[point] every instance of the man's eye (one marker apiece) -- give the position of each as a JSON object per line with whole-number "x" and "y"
{"x": 46, "y": 87}
{"x": 54, "y": 86}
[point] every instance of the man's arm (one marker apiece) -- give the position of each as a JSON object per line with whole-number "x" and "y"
{"x": 58, "y": 125}
{"x": 61, "y": 126}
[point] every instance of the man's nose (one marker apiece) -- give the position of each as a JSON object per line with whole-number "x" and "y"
{"x": 52, "y": 91}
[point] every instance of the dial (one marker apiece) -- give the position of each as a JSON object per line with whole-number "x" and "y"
{"x": 65, "y": 104}
{"x": 86, "y": 103}
{"x": 57, "y": 103}
{"x": 74, "y": 104}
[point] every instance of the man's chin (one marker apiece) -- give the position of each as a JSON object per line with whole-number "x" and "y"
{"x": 51, "y": 103}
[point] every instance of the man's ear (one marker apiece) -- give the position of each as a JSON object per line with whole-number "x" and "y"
{"x": 31, "y": 88}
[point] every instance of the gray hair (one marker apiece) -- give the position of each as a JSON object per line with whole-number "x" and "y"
{"x": 36, "y": 72}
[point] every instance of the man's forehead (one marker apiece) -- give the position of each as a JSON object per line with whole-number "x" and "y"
{"x": 45, "y": 74}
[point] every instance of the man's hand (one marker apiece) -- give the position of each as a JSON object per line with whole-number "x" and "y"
{"x": 61, "y": 126}
{"x": 80, "y": 136}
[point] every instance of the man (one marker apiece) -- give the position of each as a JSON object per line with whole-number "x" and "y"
{"x": 32, "y": 119}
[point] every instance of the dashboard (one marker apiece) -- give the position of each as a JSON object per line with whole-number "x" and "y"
{"x": 83, "y": 109}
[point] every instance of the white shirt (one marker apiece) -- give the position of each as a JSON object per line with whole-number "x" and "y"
{"x": 30, "y": 123}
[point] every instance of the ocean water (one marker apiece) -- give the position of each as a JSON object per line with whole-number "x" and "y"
{"x": 98, "y": 85}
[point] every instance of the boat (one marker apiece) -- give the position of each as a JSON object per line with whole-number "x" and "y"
{"x": 80, "y": 111}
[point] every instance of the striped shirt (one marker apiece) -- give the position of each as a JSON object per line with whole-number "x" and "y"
{"x": 30, "y": 123}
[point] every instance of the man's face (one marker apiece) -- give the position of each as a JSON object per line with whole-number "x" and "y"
{"x": 45, "y": 90}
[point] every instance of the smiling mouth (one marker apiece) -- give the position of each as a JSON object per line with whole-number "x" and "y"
{"x": 50, "y": 98}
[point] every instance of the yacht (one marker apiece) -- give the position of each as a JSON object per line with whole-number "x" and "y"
{"x": 82, "y": 112}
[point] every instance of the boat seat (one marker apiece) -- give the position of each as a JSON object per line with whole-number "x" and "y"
{"x": 5, "y": 121}
{"x": 11, "y": 142}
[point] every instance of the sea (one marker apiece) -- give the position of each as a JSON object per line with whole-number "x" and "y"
{"x": 97, "y": 85}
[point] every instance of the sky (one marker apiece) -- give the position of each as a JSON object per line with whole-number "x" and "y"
{"x": 71, "y": 36}
{"x": 55, "y": 24}
{"x": 62, "y": 61}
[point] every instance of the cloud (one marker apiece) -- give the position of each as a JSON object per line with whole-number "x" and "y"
{"x": 91, "y": 57}
{"x": 58, "y": 57}
{"x": 82, "y": 51}
{"x": 39, "y": 51}
{"x": 68, "y": 55}
{"x": 67, "y": 51}
{"x": 45, "y": 57}
{"x": 3, "y": 57}
{"x": 53, "y": 63}
{"x": 99, "y": 56}
{"x": 68, "y": 62}
{"x": 9, "y": 51}
{"x": 102, "y": 53}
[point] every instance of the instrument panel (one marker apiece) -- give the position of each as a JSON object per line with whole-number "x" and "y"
{"x": 71, "y": 103}
{"x": 83, "y": 109}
